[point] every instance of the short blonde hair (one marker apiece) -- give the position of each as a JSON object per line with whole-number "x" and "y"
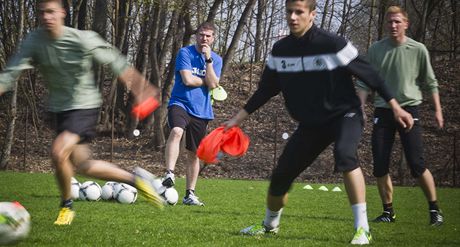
{"x": 397, "y": 10}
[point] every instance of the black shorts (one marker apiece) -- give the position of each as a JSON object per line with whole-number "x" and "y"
{"x": 81, "y": 122}
{"x": 307, "y": 143}
{"x": 195, "y": 128}
{"x": 383, "y": 137}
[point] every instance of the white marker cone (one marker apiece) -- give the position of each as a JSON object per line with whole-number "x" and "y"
{"x": 307, "y": 187}
{"x": 323, "y": 188}
{"x": 336, "y": 189}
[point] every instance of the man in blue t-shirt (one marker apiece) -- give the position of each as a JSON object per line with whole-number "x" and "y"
{"x": 197, "y": 72}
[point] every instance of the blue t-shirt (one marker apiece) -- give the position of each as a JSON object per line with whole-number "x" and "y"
{"x": 195, "y": 100}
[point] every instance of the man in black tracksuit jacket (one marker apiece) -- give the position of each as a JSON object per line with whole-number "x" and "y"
{"x": 314, "y": 71}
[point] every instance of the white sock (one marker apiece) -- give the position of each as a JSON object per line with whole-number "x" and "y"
{"x": 360, "y": 214}
{"x": 272, "y": 218}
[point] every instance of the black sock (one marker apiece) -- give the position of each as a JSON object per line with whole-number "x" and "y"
{"x": 67, "y": 204}
{"x": 188, "y": 192}
{"x": 388, "y": 207}
{"x": 433, "y": 205}
{"x": 169, "y": 171}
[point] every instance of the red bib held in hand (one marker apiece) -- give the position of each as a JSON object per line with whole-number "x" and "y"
{"x": 233, "y": 142}
{"x": 145, "y": 108}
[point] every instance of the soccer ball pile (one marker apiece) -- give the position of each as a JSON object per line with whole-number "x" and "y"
{"x": 92, "y": 191}
{"x": 14, "y": 222}
{"x": 121, "y": 192}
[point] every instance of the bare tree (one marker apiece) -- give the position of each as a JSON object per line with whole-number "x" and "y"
{"x": 236, "y": 36}
{"x": 323, "y": 18}
{"x": 6, "y": 150}
{"x": 261, "y": 6}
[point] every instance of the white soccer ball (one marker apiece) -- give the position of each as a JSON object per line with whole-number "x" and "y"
{"x": 171, "y": 196}
{"x": 14, "y": 222}
{"x": 75, "y": 189}
{"x": 125, "y": 193}
{"x": 108, "y": 190}
{"x": 90, "y": 191}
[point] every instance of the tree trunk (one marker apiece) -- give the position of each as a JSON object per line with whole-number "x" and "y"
{"x": 323, "y": 18}
{"x": 213, "y": 11}
{"x": 258, "y": 43}
{"x": 82, "y": 15}
{"x": 343, "y": 25}
{"x": 236, "y": 37}
{"x": 226, "y": 35}
{"x": 381, "y": 23}
{"x": 331, "y": 16}
{"x": 454, "y": 46}
{"x": 76, "y": 13}
{"x": 6, "y": 150}
{"x": 159, "y": 137}
{"x": 369, "y": 27}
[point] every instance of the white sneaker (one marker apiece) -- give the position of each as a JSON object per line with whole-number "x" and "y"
{"x": 361, "y": 237}
{"x": 192, "y": 200}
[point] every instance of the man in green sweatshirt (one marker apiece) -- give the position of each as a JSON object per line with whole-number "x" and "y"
{"x": 405, "y": 66}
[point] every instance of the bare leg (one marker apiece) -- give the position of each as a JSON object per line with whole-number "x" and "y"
{"x": 173, "y": 147}
{"x": 355, "y": 186}
{"x": 97, "y": 168}
{"x": 61, "y": 149}
{"x": 193, "y": 168}
{"x": 356, "y": 190}
{"x": 274, "y": 209}
{"x": 428, "y": 186}
{"x": 385, "y": 187}
{"x": 275, "y": 203}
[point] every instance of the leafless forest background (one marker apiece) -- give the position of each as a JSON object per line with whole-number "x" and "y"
{"x": 150, "y": 32}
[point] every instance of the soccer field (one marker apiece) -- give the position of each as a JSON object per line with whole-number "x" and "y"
{"x": 312, "y": 217}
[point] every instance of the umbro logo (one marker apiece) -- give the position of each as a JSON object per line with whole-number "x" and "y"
{"x": 319, "y": 63}
{"x": 350, "y": 114}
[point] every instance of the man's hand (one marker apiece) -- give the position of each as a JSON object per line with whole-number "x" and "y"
{"x": 439, "y": 119}
{"x": 146, "y": 96}
{"x": 206, "y": 51}
{"x": 404, "y": 118}
{"x": 236, "y": 120}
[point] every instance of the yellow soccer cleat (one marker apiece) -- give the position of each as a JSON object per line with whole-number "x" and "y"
{"x": 143, "y": 183}
{"x": 65, "y": 217}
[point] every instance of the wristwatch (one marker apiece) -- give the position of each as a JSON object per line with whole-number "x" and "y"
{"x": 208, "y": 60}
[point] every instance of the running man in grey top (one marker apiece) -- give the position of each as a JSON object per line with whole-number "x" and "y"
{"x": 65, "y": 58}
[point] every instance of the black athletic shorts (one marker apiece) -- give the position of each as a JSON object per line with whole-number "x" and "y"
{"x": 195, "y": 128}
{"x": 307, "y": 143}
{"x": 81, "y": 122}
{"x": 383, "y": 137}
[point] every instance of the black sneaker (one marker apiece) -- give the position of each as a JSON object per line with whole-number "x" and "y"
{"x": 436, "y": 218}
{"x": 386, "y": 217}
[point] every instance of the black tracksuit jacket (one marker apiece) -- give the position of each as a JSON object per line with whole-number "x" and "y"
{"x": 315, "y": 74}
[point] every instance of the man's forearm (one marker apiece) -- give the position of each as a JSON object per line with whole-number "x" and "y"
{"x": 436, "y": 102}
{"x": 211, "y": 80}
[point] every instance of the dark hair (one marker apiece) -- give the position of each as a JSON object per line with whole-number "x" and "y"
{"x": 311, "y": 4}
{"x": 206, "y": 26}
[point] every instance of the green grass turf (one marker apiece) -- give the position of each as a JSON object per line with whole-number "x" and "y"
{"x": 312, "y": 217}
